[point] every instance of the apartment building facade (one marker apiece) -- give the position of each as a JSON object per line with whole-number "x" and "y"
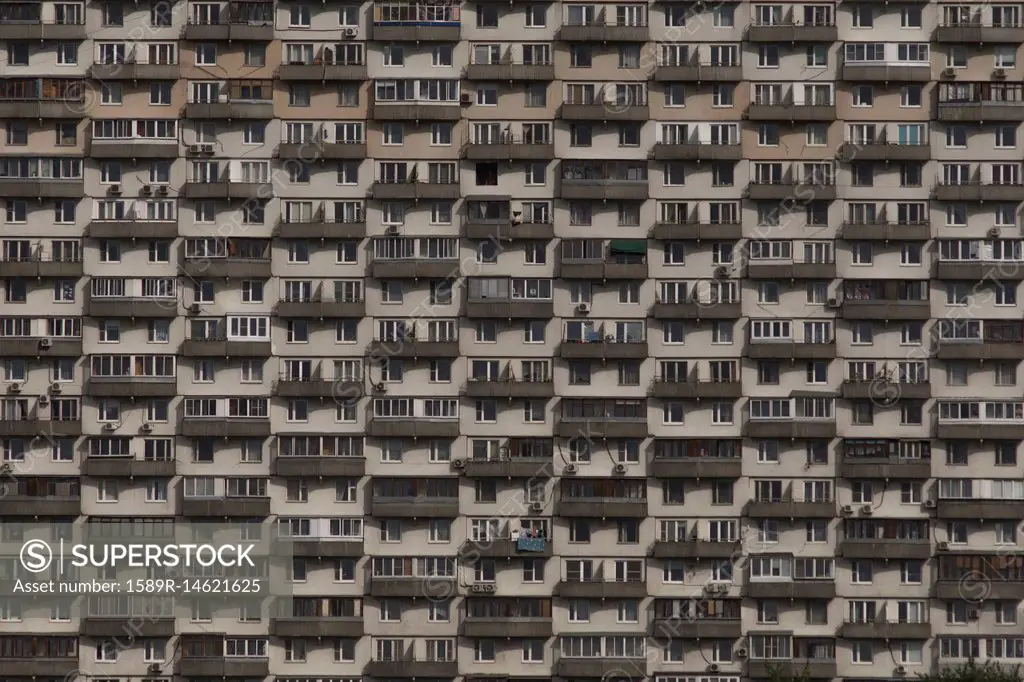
{"x": 583, "y": 340}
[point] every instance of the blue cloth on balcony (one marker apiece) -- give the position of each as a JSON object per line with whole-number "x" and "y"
{"x": 527, "y": 544}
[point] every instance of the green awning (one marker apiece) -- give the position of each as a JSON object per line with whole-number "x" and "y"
{"x": 635, "y": 246}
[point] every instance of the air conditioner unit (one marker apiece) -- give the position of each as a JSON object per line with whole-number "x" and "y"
{"x": 583, "y": 308}
{"x": 943, "y": 546}
{"x": 847, "y": 508}
{"x": 194, "y": 309}
{"x": 466, "y": 98}
{"x": 195, "y": 148}
{"x": 620, "y": 468}
{"x": 721, "y": 271}
{"x": 741, "y": 653}
{"x": 16, "y": 387}
{"x": 973, "y": 614}
{"x": 154, "y": 668}
{"x": 163, "y": 190}
{"x": 206, "y": 148}
{"x": 488, "y": 588}
{"x": 867, "y": 509}
{"x": 147, "y": 428}
{"x": 477, "y": 588}
{"x": 832, "y": 303}
{"x": 380, "y": 387}
{"x": 901, "y": 670}
{"x": 569, "y": 469}
{"x": 45, "y": 343}
{"x": 929, "y": 504}
{"x": 147, "y": 189}
{"x": 948, "y": 72}
{"x": 55, "y": 387}
{"x": 351, "y": 32}
{"x": 458, "y": 464}
{"x": 713, "y": 668}
{"x": 44, "y": 400}
{"x": 993, "y": 232}
{"x": 109, "y": 427}
{"x": 537, "y": 506}
{"x": 999, "y": 73}
{"x": 115, "y": 190}
{"x": 391, "y": 229}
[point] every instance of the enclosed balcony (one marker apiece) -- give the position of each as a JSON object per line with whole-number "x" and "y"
{"x": 810, "y": 669}
{"x": 411, "y": 189}
{"x": 324, "y": 67}
{"x": 882, "y": 628}
{"x": 980, "y": 269}
{"x": 407, "y": 665}
{"x": 791, "y": 30}
{"x": 60, "y": 347}
{"x": 98, "y": 305}
{"x": 789, "y": 110}
{"x": 885, "y": 543}
{"x": 604, "y": 27}
{"x": 977, "y": 190}
{"x": 977, "y": 508}
{"x": 885, "y": 388}
{"x": 217, "y": 344}
{"x": 413, "y": 585}
{"x": 695, "y": 458}
{"x": 691, "y": 227}
{"x": 323, "y": 303}
{"x": 976, "y": 32}
{"x": 414, "y": 268}
{"x": 104, "y": 386}
{"x": 603, "y": 180}
{"x": 693, "y": 149}
{"x": 701, "y": 304}
{"x": 502, "y": 617}
{"x": 203, "y": 656}
{"x": 603, "y": 498}
{"x": 24, "y": 21}
{"x": 788, "y": 187}
{"x": 413, "y": 418}
{"x": 412, "y": 498}
{"x": 790, "y": 589}
{"x": 238, "y": 21}
{"x": 602, "y": 418}
{"x": 511, "y": 298}
{"x": 515, "y": 461}
{"x": 593, "y": 583}
{"x": 694, "y": 69}
{"x": 238, "y": 99}
{"x": 781, "y": 268}
{"x": 860, "y": 71}
{"x": 798, "y": 347}
{"x": 134, "y": 65}
{"x": 805, "y": 417}
{"x": 18, "y": 184}
{"x": 399, "y": 21}
{"x": 978, "y": 418}
{"x": 225, "y": 427}
{"x": 26, "y": 423}
{"x": 44, "y": 497}
{"x": 601, "y": 260}
{"x": 885, "y": 300}
{"x": 45, "y": 98}
{"x": 224, "y": 186}
{"x": 709, "y": 618}
{"x": 317, "y": 627}
{"x": 487, "y": 219}
{"x": 412, "y": 109}
{"x": 695, "y": 549}
{"x": 881, "y": 230}
{"x": 981, "y": 102}
{"x": 132, "y": 227}
{"x": 39, "y": 655}
{"x": 691, "y": 385}
{"x": 612, "y": 103}
{"x": 40, "y": 264}
{"x": 870, "y": 459}
{"x": 980, "y": 340}
{"x": 486, "y": 65}
{"x": 111, "y": 626}
{"x": 317, "y": 385}
{"x": 127, "y": 466}
{"x": 413, "y": 344}
{"x": 880, "y": 146}
{"x": 508, "y": 146}
{"x": 318, "y": 225}
{"x": 229, "y": 267}
{"x": 326, "y": 464}
{"x": 319, "y": 148}
{"x": 508, "y": 382}
{"x": 224, "y": 506}
{"x": 787, "y": 506}
{"x": 584, "y": 667}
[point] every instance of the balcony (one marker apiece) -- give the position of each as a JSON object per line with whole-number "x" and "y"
{"x": 321, "y": 307}
{"x": 509, "y": 71}
{"x": 978, "y": 191}
{"x": 695, "y": 549}
{"x": 133, "y": 148}
{"x": 510, "y": 467}
{"x": 794, "y": 668}
{"x": 433, "y": 587}
{"x": 795, "y": 112}
{"x": 602, "y": 427}
{"x": 700, "y": 628}
{"x": 320, "y": 228}
{"x": 40, "y": 266}
{"x": 793, "y": 349}
{"x": 811, "y": 189}
{"x": 223, "y": 188}
{"x": 696, "y": 467}
{"x": 696, "y": 310}
{"x": 47, "y": 188}
{"x": 506, "y": 548}
{"x": 976, "y": 32}
{"x": 132, "y": 229}
{"x": 131, "y": 306}
{"x": 132, "y": 386}
{"x": 511, "y": 148}
{"x": 978, "y": 111}
{"x": 316, "y": 627}
{"x": 884, "y": 231}
{"x": 790, "y": 589}
{"x": 42, "y": 667}
{"x": 792, "y": 33}
{"x": 696, "y": 151}
{"x": 884, "y": 391}
{"x": 787, "y": 508}
{"x": 604, "y": 348}
{"x": 599, "y": 588}
{"x": 128, "y": 467}
{"x": 691, "y": 387}
{"x": 314, "y": 387}
{"x": 411, "y": 347}
{"x": 883, "y": 629}
{"x": 240, "y": 109}
{"x": 71, "y": 106}
{"x": 229, "y": 268}
{"x": 214, "y": 666}
{"x": 599, "y": 189}
{"x": 799, "y": 428}
{"x": 23, "y": 505}
{"x": 31, "y": 346}
{"x": 326, "y": 547}
{"x": 35, "y": 427}
{"x": 413, "y": 190}
{"x": 118, "y": 626}
{"x": 980, "y": 349}
{"x": 978, "y": 270}
{"x": 886, "y": 73}
{"x": 225, "y": 427}
{"x": 322, "y": 71}
{"x": 321, "y": 466}
{"x": 977, "y": 509}
{"x": 509, "y": 387}
{"x": 599, "y": 668}
{"x": 602, "y": 507}
{"x": 381, "y": 427}
{"x": 782, "y": 269}
{"x": 884, "y": 468}
{"x": 695, "y": 72}
{"x": 618, "y": 265}
{"x": 134, "y": 71}
{"x": 221, "y": 347}
{"x": 880, "y": 150}
{"x": 34, "y": 28}
{"x": 206, "y": 507}
{"x": 414, "y": 507}
{"x": 245, "y": 21}
{"x": 600, "y": 109}
{"x": 502, "y": 628}
{"x": 509, "y": 308}
{"x": 886, "y": 309}
{"x": 416, "y": 32}
{"x": 318, "y": 150}
{"x": 974, "y": 584}
{"x": 696, "y": 230}
{"x": 416, "y": 111}
{"x": 601, "y": 30}
{"x": 895, "y": 549}
{"x": 415, "y": 268}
